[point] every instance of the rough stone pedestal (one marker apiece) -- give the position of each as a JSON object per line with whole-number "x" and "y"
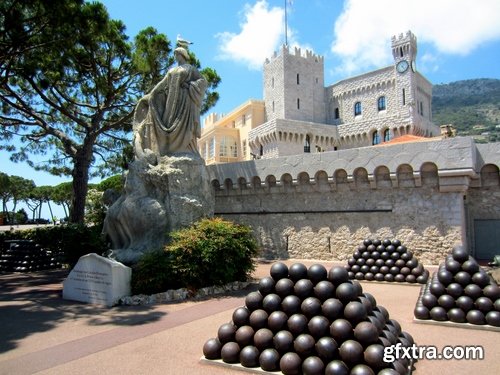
{"x": 159, "y": 197}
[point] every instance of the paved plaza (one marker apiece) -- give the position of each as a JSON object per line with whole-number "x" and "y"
{"x": 44, "y": 334}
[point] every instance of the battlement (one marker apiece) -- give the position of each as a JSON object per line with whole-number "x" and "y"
{"x": 404, "y": 38}
{"x": 297, "y": 52}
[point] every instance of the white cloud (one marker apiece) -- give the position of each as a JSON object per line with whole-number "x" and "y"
{"x": 261, "y": 32}
{"x": 363, "y": 30}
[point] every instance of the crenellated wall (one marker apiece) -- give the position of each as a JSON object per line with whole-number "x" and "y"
{"x": 322, "y": 205}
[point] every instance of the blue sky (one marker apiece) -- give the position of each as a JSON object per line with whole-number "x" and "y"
{"x": 457, "y": 40}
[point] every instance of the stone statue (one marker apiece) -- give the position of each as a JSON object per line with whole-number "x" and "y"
{"x": 167, "y": 120}
{"x": 167, "y": 186}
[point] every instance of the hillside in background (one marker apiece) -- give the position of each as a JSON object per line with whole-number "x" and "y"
{"x": 471, "y": 106}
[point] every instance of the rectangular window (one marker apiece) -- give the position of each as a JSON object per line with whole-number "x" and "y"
{"x": 298, "y": 103}
{"x": 404, "y": 97}
{"x": 211, "y": 148}
{"x": 244, "y": 119}
{"x": 298, "y": 79}
{"x": 244, "y": 149}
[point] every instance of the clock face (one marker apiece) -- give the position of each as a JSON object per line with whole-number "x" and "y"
{"x": 402, "y": 66}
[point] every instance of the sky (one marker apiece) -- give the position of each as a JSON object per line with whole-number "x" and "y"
{"x": 457, "y": 40}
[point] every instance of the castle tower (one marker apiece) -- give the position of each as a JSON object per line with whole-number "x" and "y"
{"x": 294, "y": 86}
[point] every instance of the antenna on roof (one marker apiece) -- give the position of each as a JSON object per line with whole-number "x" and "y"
{"x": 286, "y": 21}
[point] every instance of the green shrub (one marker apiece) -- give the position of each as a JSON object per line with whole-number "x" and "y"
{"x": 154, "y": 273}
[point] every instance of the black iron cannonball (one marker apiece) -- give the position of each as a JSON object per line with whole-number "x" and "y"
{"x": 493, "y": 318}
{"x": 266, "y": 285}
{"x": 365, "y": 268}
{"x": 367, "y": 303}
{"x": 470, "y": 266}
{"x": 465, "y": 303}
{"x": 350, "y": 262}
{"x": 336, "y": 367}
{"x": 374, "y": 269}
{"x": 394, "y": 323}
{"x": 303, "y": 288}
{"x": 456, "y": 315}
{"x": 297, "y": 324}
{"x": 357, "y": 254}
{"x": 390, "y": 263}
{"x": 383, "y": 311}
{"x": 429, "y": 300}
{"x": 418, "y": 270}
{"x": 327, "y": 348}
{"x": 388, "y": 371}
{"x": 384, "y": 342}
{"x": 258, "y": 319}
{"x": 226, "y": 332}
{"x": 279, "y": 270}
{"x": 473, "y": 291}
{"x": 367, "y": 242}
{"x": 455, "y": 290}
{"x": 376, "y": 322}
{"x": 421, "y": 312}
{"x": 460, "y": 254}
{"x": 241, "y": 316}
{"x": 394, "y": 270}
{"x": 263, "y": 339}
{"x": 369, "y": 276}
{"x": 376, "y": 256}
{"x": 277, "y": 320}
{"x": 332, "y": 308}
{"x": 355, "y": 312}
{"x": 317, "y": 272}
{"x": 366, "y": 255}
{"x": 346, "y": 292}
{"x": 318, "y": 326}
{"x": 351, "y": 275}
{"x": 359, "y": 276}
{"x": 370, "y": 261}
{"x": 269, "y": 360}
{"x": 362, "y": 369}
{"x": 412, "y": 263}
{"x": 283, "y": 341}
{"x": 373, "y": 246}
{"x": 249, "y": 356}
{"x": 212, "y": 349}
{"x": 379, "y": 276}
{"x": 385, "y": 255}
{"x": 391, "y": 249}
{"x": 492, "y": 291}
{"x": 391, "y": 337}
{"x": 484, "y": 304}
{"x": 324, "y": 290}
{"x": 351, "y": 352}
{"x": 438, "y": 313}
{"x": 284, "y": 287}
{"x": 475, "y": 317}
{"x": 313, "y": 365}
{"x": 396, "y": 242}
{"x": 445, "y": 277}
{"x": 422, "y": 279}
{"x": 453, "y": 266}
{"x": 338, "y": 275}
{"x": 399, "y": 278}
{"x": 310, "y": 307}
{"x": 374, "y": 356}
{"x": 304, "y": 345}
{"x": 253, "y": 301}
{"x": 395, "y": 256}
{"x": 405, "y": 271}
{"x": 291, "y": 364}
{"x": 497, "y": 304}
{"x": 437, "y": 288}
{"x": 271, "y": 302}
{"x": 244, "y": 336}
{"x": 291, "y": 304}
{"x": 341, "y": 330}
{"x": 384, "y": 270}
{"x": 481, "y": 278}
{"x": 389, "y": 277}
{"x": 357, "y": 287}
{"x": 354, "y": 269}
{"x": 298, "y": 271}
{"x": 230, "y": 352}
{"x": 411, "y": 279}
{"x": 366, "y": 333}
{"x": 463, "y": 278}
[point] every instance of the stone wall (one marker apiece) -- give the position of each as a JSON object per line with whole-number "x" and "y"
{"x": 322, "y": 206}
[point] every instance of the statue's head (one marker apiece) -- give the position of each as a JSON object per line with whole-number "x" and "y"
{"x": 182, "y": 52}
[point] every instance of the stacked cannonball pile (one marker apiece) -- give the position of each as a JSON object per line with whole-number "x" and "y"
{"x": 460, "y": 292}
{"x": 310, "y": 321}
{"x": 385, "y": 261}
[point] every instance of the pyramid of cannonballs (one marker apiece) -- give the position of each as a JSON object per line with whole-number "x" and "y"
{"x": 310, "y": 321}
{"x": 460, "y": 292}
{"x": 385, "y": 261}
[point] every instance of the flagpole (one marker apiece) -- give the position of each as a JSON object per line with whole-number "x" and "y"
{"x": 286, "y": 26}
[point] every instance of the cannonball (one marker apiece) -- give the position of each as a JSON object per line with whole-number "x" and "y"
{"x": 456, "y": 315}
{"x": 465, "y": 303}
{"x": 326, "y": 348}
{"x": 269, "y": 360}
{"x": 249, "y": 356}
{"x": 389, "y": 277}
{"x": 341, "y": 330}
{"x": 317, "y": 272}
{"x": 361, "y": 369}
{"x": 365, "y": 268}
{"x": 351, "y": 275}
{"x": 350, "y": 262}
{"x": 373, "y": 245}
{"x": 385, "y": 255}
{"x": 394, "y": 323}
{"x": 336, "y": 367}
{"x": 376, "y": 322}
{"x": 399, "y": 278}
{"x": 384, "y": 342}
{"x": 492, "y": 291}
{"x": 230, "y": 352}
{"x": 279, "y": 270}
{"x": 291, "y": 304}
{"x": 277, "y": 320}
{"x": 395, "y": 256}
{"x": 263, "y": 339}
{"x": 382, "y": 310}
{"x": 411, "y": 279}
{"x": 366, "y": 255}
{"x": 463, "y": 278}
{"x": 438, "y": 313}
{"x": 337, "y": 275}
{"x": 318, "y": 326}
{"x": 297, "y": 324}
{"x": 493, "y": 318}
{"x": 304, "y": 345}
{"x": 355, "y": 269}
{"x": 291, "y": 364}
{"x": 475, "y": 317}
{"x": 359, "y": 276}
{"x": 412, "y": 263}
{"x": 241, "y": 316}
{"x": 380, "y": 262}
{"x": 266, "y": 285}
{"x": 324, "y": 290}
{"x": 212, "y": 349}
{"x": 271, "y": 302}
{"x": 367, "y": 242}
{"x": 351, "y": 352}
{"x": 437, "y": 289}
{"x": 366, "y": 333}
{"x": 258, "y": 319}
{"x": 470, "y": 266}
{"x": 244, "y": 336}
{"x": 332, "y": 308}
{"x": 473, "y": 291}
{"x": 298, "y": 271}
{"x": 445, "y": 277}
{"x": 460, "y": 254}
{"x": 379, "y": 276}
{"x": 497, "y": 304}
{"x": 418, "y": 270}
{"x": 357, "y": 287}
{"x": 313, "y": 365}
{"x": 384, "y": 270}
{"x": 394, "y": 270}
{"x": 369, "y": 276}
{"x": 429, "y": 300}
{"x": 367, "y": 303}
{"x": 391, "y": 337}
{"x": 484, "y": 304}
{"x": 407, "y": 256}
{"x": 422, "y": 279}
{"x": 388, "y": 371}
{"x": 303, "y": 288}
{"x": 346, "y": 292}
{"x": 455, "y": 290}
{"x": 357, "y": 254}
{"x": 374, "y": 356}
{"x": 283, "y": 341}
{"x": 253, "y": 301}
{"x": 355, "y": 312}
{"x": 408, "y": 337}
{"x": 481, "y": 278}
{"x": 391, "y": 248}
{"x": 370, "y": 261}
{"x": 374, "y": 269}
{"x": 390, "y": 262}
{"x": 310, "y": 307}
{"x": 405, "y": 271}
{"x": 284, "y": 287}
{"x": 453, "y": 266}
{"x": 401, "y": 249}
{"x": 226, "y": 332}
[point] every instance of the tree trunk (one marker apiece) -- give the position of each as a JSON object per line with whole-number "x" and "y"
{"x": 80, "y": 183}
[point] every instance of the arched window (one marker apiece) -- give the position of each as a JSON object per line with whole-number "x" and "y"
{"x": 387, "y": 135}
{"x": 307, "y": 144}
{"x": 357, "y": 108}
{"x": 381, "y": 103}
{"x": 375, "y": 138}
